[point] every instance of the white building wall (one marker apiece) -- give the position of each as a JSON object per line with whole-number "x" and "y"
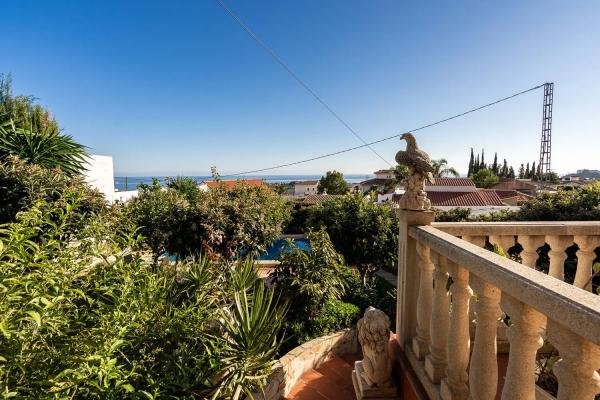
{"x": 301, "y": 190}
{"x": 100, "y": 175}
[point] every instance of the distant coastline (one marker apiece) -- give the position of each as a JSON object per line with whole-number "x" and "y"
{"x": 134, "y": 181}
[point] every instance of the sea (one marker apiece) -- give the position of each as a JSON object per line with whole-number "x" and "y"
{"x": 124, "y": 183}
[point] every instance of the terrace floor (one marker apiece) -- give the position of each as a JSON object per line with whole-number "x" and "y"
{"x": 331, "y": 381}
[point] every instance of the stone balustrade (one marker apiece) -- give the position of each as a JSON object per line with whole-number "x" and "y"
{"x": 446, "y": 278}
{"x": 531, "y": 236}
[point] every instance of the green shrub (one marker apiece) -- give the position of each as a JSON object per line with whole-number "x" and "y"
{"x": 365, "y": 233}
{"x": 82, "y": 320}
{"x": 334, "y": 315}
{"x": 218, "y": 223}
{"x": 22, "y": 185}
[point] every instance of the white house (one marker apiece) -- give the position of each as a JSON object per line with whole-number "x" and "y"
{"x": 384, "y": 174}
{"x": 302, "y": 188}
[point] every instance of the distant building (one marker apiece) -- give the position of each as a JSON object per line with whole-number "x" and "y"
{"x": 229, "y": 184}
{"x": 448, "y": 193}
{"x": 303, "y": 188}
{"x": 526, "y": 186}
{"x": 451, "y": 185}
{"x": 377, "y": 183}
{"x": 384, "y": 173}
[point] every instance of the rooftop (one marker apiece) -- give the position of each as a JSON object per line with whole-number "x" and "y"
{"x": 451, "y": 182}
{"x": 229, "y": 184}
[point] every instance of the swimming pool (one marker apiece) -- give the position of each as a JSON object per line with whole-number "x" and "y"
{"x": 281, "y": 245}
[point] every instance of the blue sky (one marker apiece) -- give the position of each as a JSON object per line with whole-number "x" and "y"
{"x": 175, "y": 87}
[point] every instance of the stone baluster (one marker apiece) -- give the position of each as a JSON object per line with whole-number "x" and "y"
{"x": 524, "y": 335}
{"x": 435, "y": 362}
{"x": 424, "y": 300}
{"x": 558, "y": 244}
{"x": 476, "y": 240}
{"x": 483, "y": 373}
{"x": 530, "y": 244}
{"x": 454, "y": 386}
{"x": 504, "y": 241}
{"x": 576, "y": 370}
{"x": 585, "y": 259}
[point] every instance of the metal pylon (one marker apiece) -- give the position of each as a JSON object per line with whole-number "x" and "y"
{"x": 546, "y": 144}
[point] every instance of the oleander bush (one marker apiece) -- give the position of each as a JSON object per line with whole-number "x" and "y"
{"x": 85, "y": 316}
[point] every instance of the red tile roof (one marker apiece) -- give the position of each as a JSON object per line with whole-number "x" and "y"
{"x": 506, "y": 194}
{"x": 475, "y": 198}
{"x": 452, "y": 182}
{"x": 515, "y": 184}
{"x": 305, "y": 182}
{"x": 375, "y": 181}
{"x": 229, "y": 184}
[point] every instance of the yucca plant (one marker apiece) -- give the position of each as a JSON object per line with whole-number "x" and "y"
{"x": 48, "y": 148}
{"x": 248, "y": 342}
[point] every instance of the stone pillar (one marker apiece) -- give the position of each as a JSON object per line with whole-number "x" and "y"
{"x": 524, "y": 335}
{"x": 435, "y": 363}
{"x": 585, "y": 260}
{"x": 424, "y": 300}
{"x": 483, "y": 372}
{"x": 576, "y": 370}
{"x": 454, "y": 386}
{"x": 408, "y": 275}
{"x": 504, "y": 241}
{"x": 530, "y": 244}
{"x": 558, "y": 244}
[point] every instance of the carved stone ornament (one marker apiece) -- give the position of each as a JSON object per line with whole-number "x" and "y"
{"x": 372, "y": 376}
{"x": 420, "y": 171}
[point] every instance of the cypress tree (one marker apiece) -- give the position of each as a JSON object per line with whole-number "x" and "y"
{"x": 533, "y": 171}
{"x": 522, "y": 171}
{"x": 527, "y": 173}
{"x": 482, "y": 165}
{"x": 495, "y": 164}
{"x": 511, "y": 172}
{"x": 471, "y": 162}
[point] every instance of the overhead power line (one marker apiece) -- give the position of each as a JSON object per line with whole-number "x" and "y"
{"x": 389, "y": 137}
{"x": 289, "y": 70}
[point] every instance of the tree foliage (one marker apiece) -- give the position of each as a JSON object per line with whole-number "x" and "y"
{"x": 84, "y": 319}
{"x": 484, "y": 178}
{"x": 220, "y": 222}
{"x": 362, "y": 231}
{"x": 441, "y": 168}
{"x": 333, "y": 183}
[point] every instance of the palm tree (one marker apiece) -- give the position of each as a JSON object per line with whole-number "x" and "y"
{"x": 47, "y": 148}
{"x": 441, "y": 168}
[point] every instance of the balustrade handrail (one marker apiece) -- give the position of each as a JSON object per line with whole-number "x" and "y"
{"x": 579, "y": 309}
{"x": 520, "y": 228}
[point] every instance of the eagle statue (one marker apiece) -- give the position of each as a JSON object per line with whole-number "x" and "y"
{"x": 420, "y": 170}
{"x": 414, "y": 158}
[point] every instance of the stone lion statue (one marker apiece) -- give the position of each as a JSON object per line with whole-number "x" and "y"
{"x": 373, "y": 336}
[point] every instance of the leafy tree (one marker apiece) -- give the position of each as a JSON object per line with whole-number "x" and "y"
{"x": 485, "y": 178}
{"x": 440, "y": 168}
{"x": 362, "y": 231}
{"x": 219, "y": 223}
{"x": 333, "y": 183}
{"x": 80, "y": 320}
{"x": 24, "y": 110}
{"x": 185, "y": 185}
{"x": 22, "y": 185}
{"x": 279, "y": 188}
{"x": 307, "y": 279}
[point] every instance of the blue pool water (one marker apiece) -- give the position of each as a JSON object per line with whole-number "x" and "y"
{"x": 281, "y": 245}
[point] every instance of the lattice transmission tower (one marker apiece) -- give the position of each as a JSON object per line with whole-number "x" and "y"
{"x": 546, "y": 143}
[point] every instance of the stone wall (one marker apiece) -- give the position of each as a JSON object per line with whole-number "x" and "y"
{"x": 289, "y": 368}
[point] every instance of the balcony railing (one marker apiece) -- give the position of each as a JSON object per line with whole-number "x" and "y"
{"x": 448, "y": 284}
